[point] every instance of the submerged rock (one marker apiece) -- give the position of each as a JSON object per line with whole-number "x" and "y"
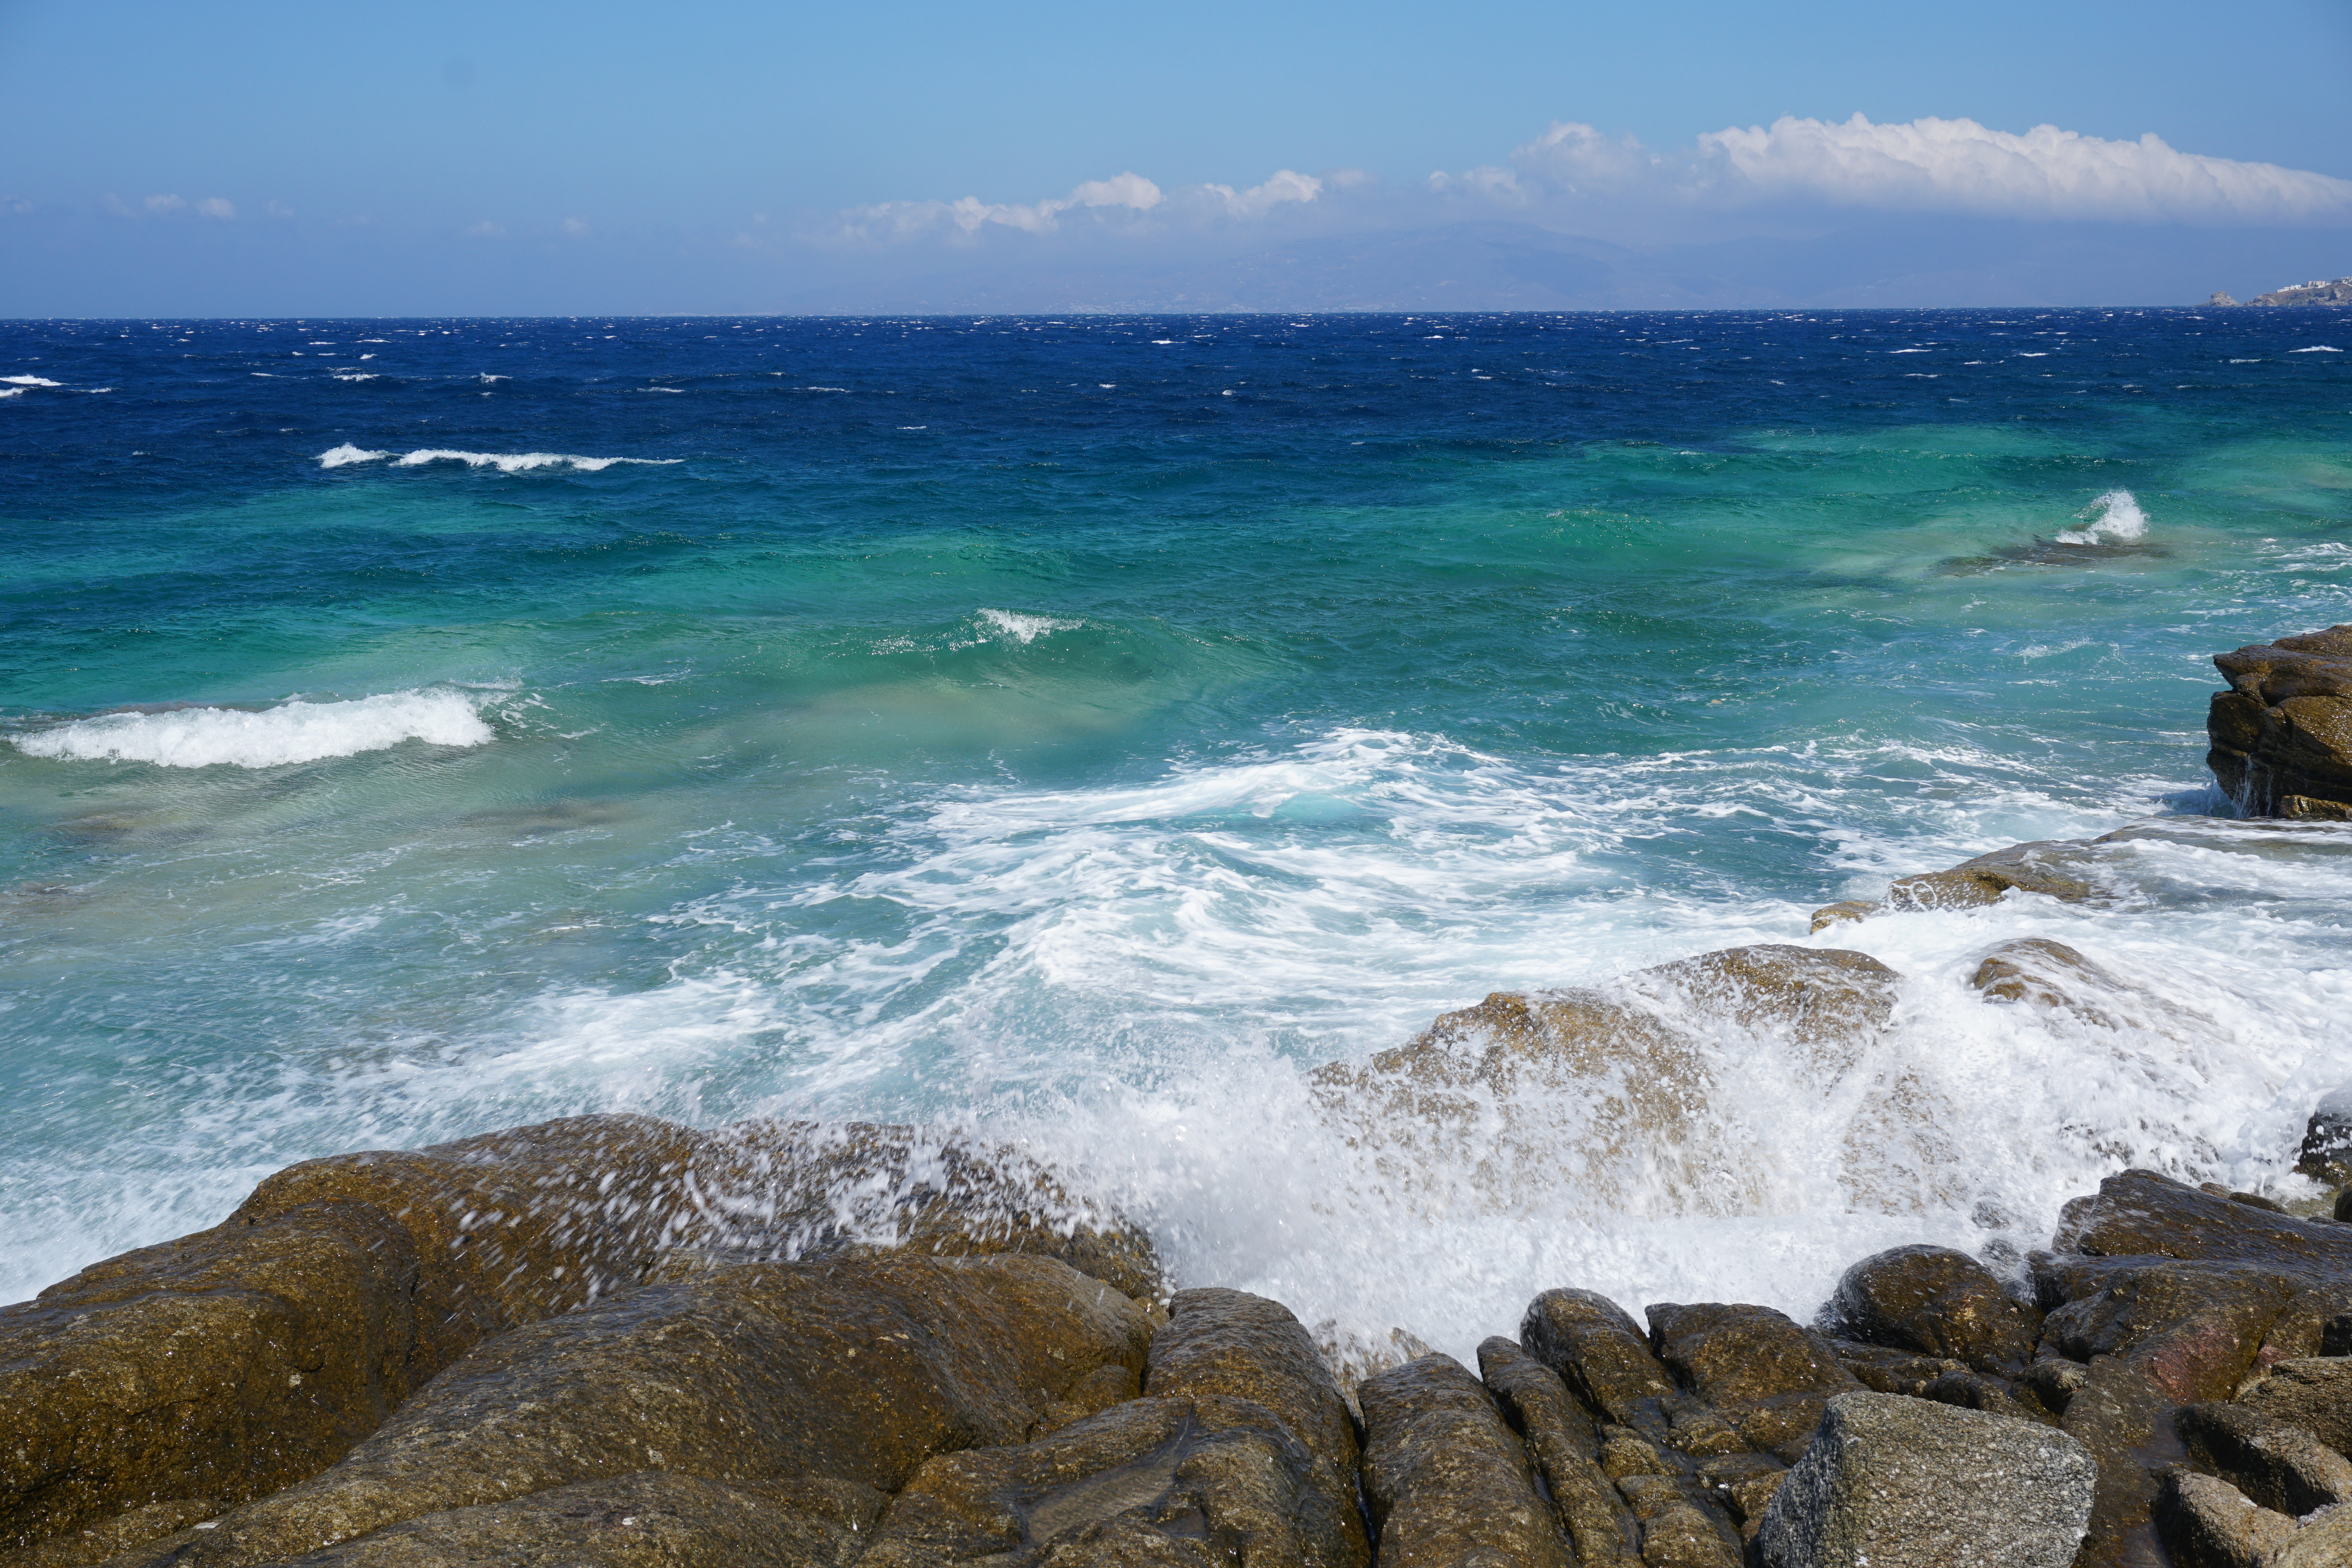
{"x": 855, "y": 1369}
{"x": 1447, "y": 1481}
{"x": 2062, "y": 868}
{"x": 1937, "y": 1302}
{"x": 1903, "y": 1483}
{"x": 2282, "y": 735}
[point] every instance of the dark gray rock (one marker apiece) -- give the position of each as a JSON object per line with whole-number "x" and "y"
{"x": 150, "y": 1530}
{"x": 1566, "y": 1447}
{"x": 1893, "y": 1482}
{"x": 855, "y": 1369}
{"x": 1937, "y": 1302}
{"x": 1447, "y": 1480}
{"x": 2279, "y": 1465}
{"x": 2326, "y": 1152}
{"x": 2146, "y": 1213}
{"x": 1197, "y": 1479}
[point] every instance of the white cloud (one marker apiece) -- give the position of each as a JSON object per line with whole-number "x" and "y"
{"x": 215, "y": 207}
{"x": 969, "y": 214}
{"x": 1283, "y": 185}
{"x": 483, "y": 230}
{"x": 575, "y": 229}
{"x": 165, "y": 205}
{"x": 1958, "y": 165}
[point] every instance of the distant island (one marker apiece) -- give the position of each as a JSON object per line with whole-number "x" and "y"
{"x": 2319, "y": 291}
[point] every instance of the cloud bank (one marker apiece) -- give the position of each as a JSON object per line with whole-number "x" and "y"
{"x": 1576, "y": 172}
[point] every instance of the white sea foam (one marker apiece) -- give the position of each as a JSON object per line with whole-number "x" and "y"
{"x": 30, "y": 381}
{"x": 13, "y": 392}
{"x": 504, "y": 462}
{"x": 1024, "y": 628}
{"x": 2115, "y": 517}
{"x": 354, "y": 375}
{"x": 2317, "y": 348}
{"x": 294, "y": 731}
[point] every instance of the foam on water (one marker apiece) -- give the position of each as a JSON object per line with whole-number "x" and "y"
{"x": 294, "y": 731}
{"x": 2113, "y": 516}
{"x": 504, "y": 462}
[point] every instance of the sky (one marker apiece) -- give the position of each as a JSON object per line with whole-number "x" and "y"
{"x": 523, "y": 158}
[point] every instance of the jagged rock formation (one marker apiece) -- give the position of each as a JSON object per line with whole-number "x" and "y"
{"x": 2282, "y": 735}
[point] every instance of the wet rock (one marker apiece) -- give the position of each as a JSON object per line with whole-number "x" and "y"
{"x": 1885, "y": 1370}
{"x": 1447, "y": 1480}
{"x": 2053, "y": 1384}
{"x": 1902, "y": 1483}
{"x": 2326, "y": 1152}
{"x": 156, "y": 1528}
{"x": 1562, "y": 1438}
{"x": 2209, "y": 1523}
{"x": 1676, "y": 1534}
{"x": 2194, "y": 1328}
{"x": 1232, "y": 1343}
{"x": 2314, "y": 1321}
{"x": 2143, "y": 1212}
{"x": 1203, "y": 1480}
{"x": 854, "y": 1369}
{"x": 2058, "y": 869}
{"x": 2039, "y": 972}
{"x": 1830, "y": 915}
{"x": 2124, "y": 1418}
{"x": 2282, "y": 735}
{"x": 1600, "y": 1354}
{"x": 1937, "y": 1302}
{"x": 223, "y": 1365}
{"x": 2314, "y": 1394}
{"x": 1769, "y": 1378}
{"x": 2322, "y": 1542}
{"x": 2279, "y": 1465}
{"x": 650, "y": 1518}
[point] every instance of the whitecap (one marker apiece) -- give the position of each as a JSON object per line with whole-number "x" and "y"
{"x": 523, "y": 462}
{"x": 2115, "y": 517}
{"x": 294, "y": 731}
{"x": 13, "y": 392}
{"x": 337, "y": 456}
{"x": 1024, "y": 628}
{"x": 486, "y": 376}
{"x": 2315, "y": 349}
{"x": 30, "y": 381}
{"x": 356, "y": 375}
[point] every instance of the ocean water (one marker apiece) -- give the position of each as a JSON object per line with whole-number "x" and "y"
{"x": 1076, "y": 730}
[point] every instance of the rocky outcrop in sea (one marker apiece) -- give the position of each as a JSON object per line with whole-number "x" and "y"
{"x": 620, "y": 1341}
{"x": 2318, "y": 292}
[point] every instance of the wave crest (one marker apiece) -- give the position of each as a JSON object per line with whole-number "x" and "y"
{"x": 2115, "y": 517}
{"x": 504, "y": 462}
{"x": 294, "y": 731}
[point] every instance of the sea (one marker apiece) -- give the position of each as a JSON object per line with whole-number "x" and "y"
{"x": 1074, "y": 731}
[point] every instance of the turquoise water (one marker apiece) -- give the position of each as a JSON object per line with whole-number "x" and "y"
{"x": 1078, "y": 729}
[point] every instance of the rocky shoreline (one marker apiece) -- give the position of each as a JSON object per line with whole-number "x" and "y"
{"x": 617, "y": 1341}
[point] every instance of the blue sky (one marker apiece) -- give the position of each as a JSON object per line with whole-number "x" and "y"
{"x": 246, "y": 157}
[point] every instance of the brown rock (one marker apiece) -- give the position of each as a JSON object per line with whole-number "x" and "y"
{"x": 2145, "y": 1212}
{"x": 2282, "y": 737}
{"x": 2058, "y": 869}
{"x": 1845, "y": 909}
{"x": 855, "y": 1369}
{"x": 650, "y": 1518}
{"x": 1600, "y": 1354}
{"x": 2209, "y": 1523}
{"x": 2314, "y": 1394}
{"x": 1560, "y": 1436}
{"x": 1229, "y": 1342}
{"x": 1202, "y": 1478}
{"x": 2042, "y": 972}
{"x": 2194, "y": 1328}
{"x": 1885, "y": 1371}
{"x": 223, "y": 1365}
{"x": 2277, "y": 1464}
{"x": 152, "y": 1529}
{"x": 1768, "y": 1377}
{"x": 2124, "y": 1419}
{"x": 2322, "y": 1542}
{"x": 1937, "y": 1302}
{"x": 1447, "y": 1480}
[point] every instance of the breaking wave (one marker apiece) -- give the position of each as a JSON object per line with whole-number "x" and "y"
{"x": 2114, "y": 518}
{"x": 294, "y": 731}
{"x": 504, "y": 462}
